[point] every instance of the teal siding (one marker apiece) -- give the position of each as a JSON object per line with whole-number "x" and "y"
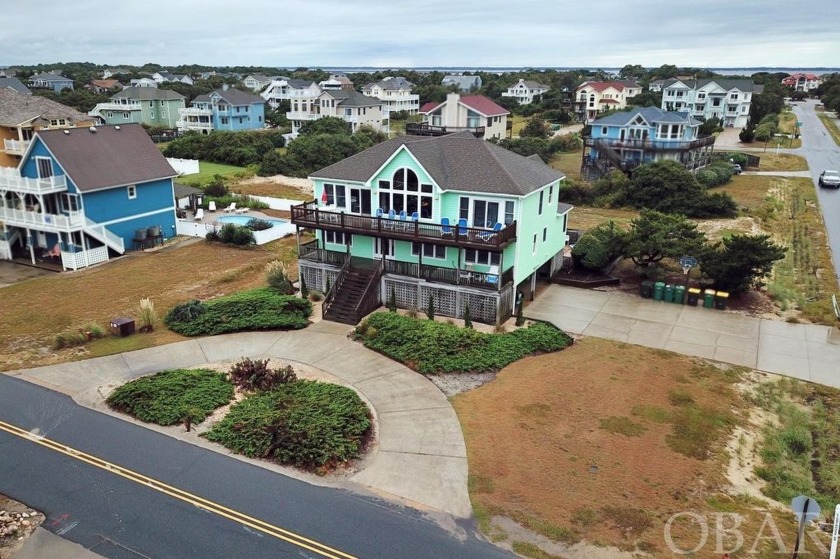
{"x": 531, "y": 223}
{"x": 400, "y": 160}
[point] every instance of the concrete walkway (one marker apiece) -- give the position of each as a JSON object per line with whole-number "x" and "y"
{"x": 805, "y": 174}
{"x": 421, "y": 456}
{"x": 804, "y": 351}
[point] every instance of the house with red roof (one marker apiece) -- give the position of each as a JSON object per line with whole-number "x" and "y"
{"x": 802, "y": 82}
{"x": 473, "y": 113}
{"x": 601, "y": 97}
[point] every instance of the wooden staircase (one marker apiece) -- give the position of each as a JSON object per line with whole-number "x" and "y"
{"x": 355, "y": 293}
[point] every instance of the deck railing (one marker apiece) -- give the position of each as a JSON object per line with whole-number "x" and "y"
{"x": 454, "y": 276}
{"x": 424, "y": 129}
{"x": 333, "y": 290}
{"x": 310, "y": 251}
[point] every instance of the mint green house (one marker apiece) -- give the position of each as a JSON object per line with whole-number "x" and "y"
{"x": 453, "y": 218}
{"x": 142, "y": 105}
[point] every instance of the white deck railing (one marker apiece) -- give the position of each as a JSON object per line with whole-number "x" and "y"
{"x": 194, "y": 111}
{"x": 40, "y": 221}
{"x": 15, "y": 147}
{"x": 104, "y": 235}
{"x": 10, "y": 179}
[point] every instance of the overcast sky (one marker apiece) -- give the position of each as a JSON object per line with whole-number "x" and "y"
{"x": 423, "y": 33}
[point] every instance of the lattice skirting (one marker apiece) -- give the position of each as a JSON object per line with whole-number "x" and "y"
{"x": 76, "y": 260}
{"x": 315, "y": 275}
{"x": 485, "y": 306}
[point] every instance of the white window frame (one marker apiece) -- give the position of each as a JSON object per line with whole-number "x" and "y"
{"x": 39, "y": 168}
{"x": 338, "y": 238}
{"x": 131, "y": 190}
{"x": 430, "y": 250}
{"x": 482, "y": 257}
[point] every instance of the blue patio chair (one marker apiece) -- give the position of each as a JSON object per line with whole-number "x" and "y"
{"x": 389, "y": 223}
{"x": 403, "y": 224}
{"x": 488, "y": 236}
{"x": 379, "y": 212}
{"x": 445, "y": 228}
{"x": 462, "y": 226}
{"x": 415, "y": 216}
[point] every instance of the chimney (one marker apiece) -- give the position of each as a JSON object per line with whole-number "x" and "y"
{"x": 452, "y": 110}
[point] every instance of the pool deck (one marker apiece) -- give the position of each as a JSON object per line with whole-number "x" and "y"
{"x": 199, "y": 228}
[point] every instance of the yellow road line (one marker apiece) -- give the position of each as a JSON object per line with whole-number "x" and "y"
{"x": 180, "y": 494}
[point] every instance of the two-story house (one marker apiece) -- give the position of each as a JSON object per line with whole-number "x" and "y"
{"x": 626, "y": 139}
{"x": 83, "y": 195}
{"x": 143, "y": 82}
{"x": 726, "y": 99}
{"x": 288, "y": 89}
{"x": 465, "y": 84}
{"x": 48, "y": 80}
{"x": 452, "y": 219}
{"x": 803, "y": 82}
{"x": 395, "y": 94}
{"x": 223, "y": 109}
{"x": 601, "y": 97}
{"x": 336, "y": 81}
{"x": 474, "y": 113}
{"x": 142, "y": 105}
{"x": 256, "y": 82}
{"x": 524, "y": 91}
{"x": 22, "y": 115}
{"x": 351, "y": 106}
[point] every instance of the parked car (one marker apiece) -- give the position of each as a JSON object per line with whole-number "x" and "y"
{"x": 830, "y": 178}
{"x": 736, "y": 169}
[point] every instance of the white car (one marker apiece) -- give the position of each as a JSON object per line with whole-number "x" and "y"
{"x": 830, "y": 178}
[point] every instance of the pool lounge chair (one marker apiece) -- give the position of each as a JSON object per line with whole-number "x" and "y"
{"x": 231, "y": 208}
{"x": 244, "y": 210}
{"x": 489, "y": 236}
{"x": 199, "y": 214}
{"x": 211, "y": 206}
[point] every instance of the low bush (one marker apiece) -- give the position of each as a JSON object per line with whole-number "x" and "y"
{"x": 307, "y": 424}
{"x": 278, "y": 279}
{"x": 256, "y": 224}
{"x": 74, "y": 338}
{"x": 431, "y": 347}
{"x": 170, "y": 397}
{"x": 256, "y": 309}
{"x": 255, "y": 374}
{"x": 235, "y": 235}
{"x": 185, "y": 312}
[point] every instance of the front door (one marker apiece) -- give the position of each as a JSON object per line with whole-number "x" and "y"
{"x": 386, "y": 245}
{"x": 360, "y": 201}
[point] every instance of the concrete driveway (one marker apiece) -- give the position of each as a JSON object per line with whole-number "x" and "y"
{"x": 12, "y": 273}
{"x": 807, "y": 352}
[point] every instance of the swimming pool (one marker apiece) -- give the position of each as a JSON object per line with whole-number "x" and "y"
{"x": 244, "y": 219}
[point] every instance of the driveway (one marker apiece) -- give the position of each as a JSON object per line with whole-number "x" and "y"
{"x": 807, "y": 352}
{"x": 12, "y": 273}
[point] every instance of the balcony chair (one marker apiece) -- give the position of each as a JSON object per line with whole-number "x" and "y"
{"x": 489, "y": 236}
{"x": 389, "y": 223}
{"x": 445, "y": 228}
{"x": 379, "y": 212}
{"x": 403, "y": 223}
{"x": 493, "y": 275}
{"x": 462, "y": 226}
{"x": 415, "y": 216}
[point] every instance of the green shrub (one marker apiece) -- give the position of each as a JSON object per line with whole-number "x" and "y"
{"x": 216, "y": 188}
{"x": 212, "y": 236}
{"x": 227, "y": 232}
{"x": 434, "y": 347}
{"x": 305, "y": 423}
{"x": 256, "y": 224}
{"x": 277, "y": 278}
{"x": 467, "y": 317}
{"x": 172, "y": 396}
{"x": 185, "y": 312}
{"x": 242, "y": 236}
{"x": 72, "y": 338}
{"x": 255, "y": 374}
{"x": 707, "y": 178}
{"x": 256, "y": 309}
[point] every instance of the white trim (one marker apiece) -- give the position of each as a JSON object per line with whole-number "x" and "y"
{"x": 135, "y": 216}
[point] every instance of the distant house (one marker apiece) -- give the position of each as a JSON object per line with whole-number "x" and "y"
{"x": 726, "y": 99}
{"x": 351, "y": 106}
{"x": 142, "y": 105}
{"x": 464, "y": 83}
{"x": 386, "y": 221}
{"x": 144, "y": 82}
{"x": 626, "y": 139}
{"x": 16, "y": 84}
{"x": 656, "y": 86}
{"x": 164, "y": 76}
{"x": 110, "y": 72}
{"x": 337, "y": 81}
{"x": 287, "y": 89}
{"x": 601, "y": 97}
{"x": 474, "y": 113}
{"x": 83, "y": 194}
{"x": 223, "y": 109}
{"x": 803, "y": 82}
{"x": 256, "y": 82}
{"x": 524, "y": 91}
{"x": 8, "y": 72}
{"x": 395, "y": 94}
{"x": 51, "y": 81}
{"x": 23, "y": 114}
{"x": 104, "y": 86}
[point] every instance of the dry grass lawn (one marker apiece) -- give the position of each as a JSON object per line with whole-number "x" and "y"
{"x": 35, "y": 311}
{"x": 603, "y": 442}
{"x": 272, "y": 189}
{"x": 749, "y": 191}
{"x": 782, "y": 162}
{"x": 583, "y": 217}
{"x": 567, "y": 163}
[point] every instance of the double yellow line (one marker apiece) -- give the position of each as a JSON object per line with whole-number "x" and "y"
{"x": 195, "y": 500}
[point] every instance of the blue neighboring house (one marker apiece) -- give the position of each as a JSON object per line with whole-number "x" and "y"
{"x": 52, "y": 81}
{"x": 83, "y": 195}
{"x": 626, "y": 139}
{"x": 223, "y": 109}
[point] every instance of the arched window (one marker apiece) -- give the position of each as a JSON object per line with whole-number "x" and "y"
{"x": 407, "y": 194}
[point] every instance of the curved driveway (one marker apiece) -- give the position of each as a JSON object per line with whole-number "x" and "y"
{"x": 421, "y": 457}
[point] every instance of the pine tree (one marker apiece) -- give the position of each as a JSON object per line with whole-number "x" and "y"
{"x": 392, "y": 301}
{"x": 467, "y": 317}
{"x": 430, "y": 312}
{"x": 304, "y": 292}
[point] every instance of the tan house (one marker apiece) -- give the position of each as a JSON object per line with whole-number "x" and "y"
{"x": 474, "y": 113}
{"x": 601, "y": 97}
{"x": 350, "y": 106}
{"x": 22, "y": 115}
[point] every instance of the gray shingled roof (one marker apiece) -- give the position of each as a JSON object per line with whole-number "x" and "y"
{"x": 348, "y": 98}
{"x": 49, "y": 77}
{"x": 17, "y": 107}
{"x": 456, "y": 162}
{"x": 653, "y": 115}
{"x": 111, "y": 156}
{"x": 394, "y": 83}
{"x": 742, "y": 84}
{"x": 232, "y": 96}
{"x": 147, "y": 94}
{"x": 14, "y": 83}
{"x": 534, "y": 85}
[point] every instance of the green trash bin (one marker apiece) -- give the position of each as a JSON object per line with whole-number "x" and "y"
{"x": 709, "y": 298}
{"x": 669, "y": 293}
{"x": 658, "y": 290}
{"x": 693, "y": 296}
{"x": 679, "y": 294}
{"x": 646, "y": 289}
{"x": 720, "y": 299}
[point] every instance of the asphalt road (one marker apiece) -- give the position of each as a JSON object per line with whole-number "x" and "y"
{"x": 122, "y": 519}
{"x": 822, "y": 153}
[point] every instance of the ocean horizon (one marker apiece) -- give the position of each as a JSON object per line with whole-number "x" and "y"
{"x": 726, "y": 71}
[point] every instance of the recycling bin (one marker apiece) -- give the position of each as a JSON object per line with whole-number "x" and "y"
{"x": 720, "y": 299}
{"x": 658, "y": 290}
{"x": 709, "y": 298}
{"x": 693, "y": 296}
{"x": 646, "y": 289}
{"x": 669, "y": 293}
{"x": 679, "y": 294}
